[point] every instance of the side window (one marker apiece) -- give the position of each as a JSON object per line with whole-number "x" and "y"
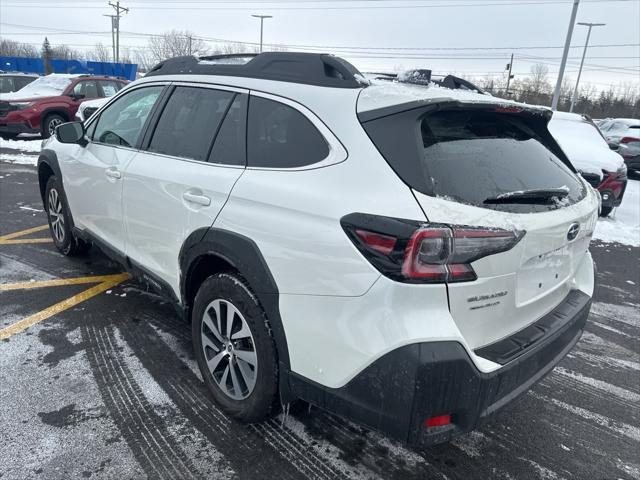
{"x": 189, "y": 122}
{"x": 109, "y": 88}
{"x": 7, "y": 85}
{"x": 86, "y": 89}
{"x": 279, "y": 136}
{"x": 230, "y": 147}
{"x": 122, "y": 121}
{"x": 22, "y": 82}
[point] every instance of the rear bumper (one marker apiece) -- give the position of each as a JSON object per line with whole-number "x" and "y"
{"x": 400, "y": 390}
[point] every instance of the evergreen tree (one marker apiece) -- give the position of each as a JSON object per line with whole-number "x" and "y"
{"x": 46, "y": 55}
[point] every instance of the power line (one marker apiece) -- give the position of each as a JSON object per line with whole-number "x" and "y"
{"x": 156, "y": 6}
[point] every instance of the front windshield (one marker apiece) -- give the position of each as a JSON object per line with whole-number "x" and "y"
{"x": 51, "y": 85}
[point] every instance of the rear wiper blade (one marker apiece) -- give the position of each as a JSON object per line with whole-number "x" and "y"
{"x": 529, "y": 196}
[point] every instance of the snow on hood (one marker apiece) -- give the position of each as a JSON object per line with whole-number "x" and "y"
{"x": 383, "y": 94}
{"x": 50, "y": 86}
{"x": 583, "y": 144}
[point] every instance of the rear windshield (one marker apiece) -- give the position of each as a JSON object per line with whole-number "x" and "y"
{"x": 471, "y": 156}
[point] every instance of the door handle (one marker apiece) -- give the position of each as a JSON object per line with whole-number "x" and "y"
{"x": 113, "y": 173}
{"x": 195, "y": 198}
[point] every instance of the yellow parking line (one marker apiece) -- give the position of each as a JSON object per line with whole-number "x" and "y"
{"x": 63, "y": 305}
{"x": 24, "y": 232}
{"x": 25, "y": 240}
{"x": 63, "y": 281}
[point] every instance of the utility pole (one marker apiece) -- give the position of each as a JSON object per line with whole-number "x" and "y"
{"x": 115, "y": 27}
{"x": 584, "y": 53}
{"x": 113, "y": 36}
{"x": 189, "y": 37}
{"x": 565, "y": 54}
{"x": 261, "y": 17}
{"x": 509, "y": 77}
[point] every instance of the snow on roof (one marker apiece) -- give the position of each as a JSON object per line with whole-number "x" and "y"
{"x": 576, "y": 117}
{"x": 383, "y": 94}
{"x": 628, "y": 121}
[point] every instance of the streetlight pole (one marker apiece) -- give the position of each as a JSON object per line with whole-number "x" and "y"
{"x": 261, "y": 17}
{"x": 584, "y": 53}
{"x": 565, "y": 54}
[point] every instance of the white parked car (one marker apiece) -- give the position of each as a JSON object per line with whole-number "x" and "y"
{"x": 590, "y": 154}
{"x": 413, "y": 258}
{"x": 89, "y": 107}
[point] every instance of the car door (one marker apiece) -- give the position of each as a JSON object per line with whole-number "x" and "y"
{"x": 93, "y": 174}
{"x": 193, "y": 156}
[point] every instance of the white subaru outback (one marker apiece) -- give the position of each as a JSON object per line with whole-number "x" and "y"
{"x": 410, "y": 257}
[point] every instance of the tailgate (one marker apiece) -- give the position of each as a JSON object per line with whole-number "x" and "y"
{"x": 516, "y": 287}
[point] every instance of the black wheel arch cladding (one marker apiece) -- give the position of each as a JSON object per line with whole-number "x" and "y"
{"x": 48, "y": 160}
{"x": 245, "y": 257}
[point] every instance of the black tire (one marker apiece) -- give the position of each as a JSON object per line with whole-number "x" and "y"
{"x": 606, "y": 211}
{"x": 49, "y": 123}
{"x": 59, "y": 219}
{"x": 259, "y": 401}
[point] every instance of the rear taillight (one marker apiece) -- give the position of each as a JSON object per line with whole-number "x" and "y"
{"x": 629, "y": 139}
{"x": 425, "y": 253}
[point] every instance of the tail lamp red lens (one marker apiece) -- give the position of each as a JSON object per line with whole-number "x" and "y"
{"x": 431, "y": 253}
{"x": 629, "y": 139}
{"x": 444, "y": 254}
{"x": 439, "y": 421}
{"x": 380, "y": 243}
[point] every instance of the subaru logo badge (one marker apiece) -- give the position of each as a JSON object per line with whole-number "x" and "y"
{"x": 573, "y": 231}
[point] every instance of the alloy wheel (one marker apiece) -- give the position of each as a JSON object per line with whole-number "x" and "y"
{"x": 53, "y": 123}
{"x": 56, "y": 215}
{"x": 229, "y": 349}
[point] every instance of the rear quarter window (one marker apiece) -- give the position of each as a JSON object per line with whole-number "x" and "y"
{"x": 279, "y": 136}
{"x": 469, "y": 156}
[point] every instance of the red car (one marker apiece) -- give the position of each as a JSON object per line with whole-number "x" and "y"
{"x": 49, "y": 101}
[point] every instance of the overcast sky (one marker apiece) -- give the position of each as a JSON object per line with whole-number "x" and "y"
{"x": 471, "y": 37}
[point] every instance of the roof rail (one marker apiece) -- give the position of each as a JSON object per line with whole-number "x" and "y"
{"x": 296, "y": 67}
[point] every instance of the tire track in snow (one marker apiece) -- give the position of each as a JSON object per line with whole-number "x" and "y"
{"x": 624, "y": 396}
{"x": 607, "y": 424}
{"x": 241, "y": 445}
{"x": 141, "y": 427}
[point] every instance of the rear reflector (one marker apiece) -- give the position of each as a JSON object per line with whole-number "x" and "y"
{"x": 439, "y": 421}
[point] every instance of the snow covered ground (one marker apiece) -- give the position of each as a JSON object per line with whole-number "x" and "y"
{"x": 623, "y": 225}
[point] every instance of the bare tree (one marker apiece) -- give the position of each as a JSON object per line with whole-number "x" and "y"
{"x": 64, "y": 52}
{"x": 100, "y": 53}
{"x": 175, "y": 44}
{"x": 539, "y": 79}
{"x": 11, "y": 48}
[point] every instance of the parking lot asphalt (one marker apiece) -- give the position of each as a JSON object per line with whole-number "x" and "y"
{"x": 98, "y": 380}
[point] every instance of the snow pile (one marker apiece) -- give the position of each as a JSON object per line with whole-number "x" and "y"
{"x": 623, "y": 225}
{"x": 23, "y": 145}
{"x": 19, "y": 159}
{"x": 583, "y": 144}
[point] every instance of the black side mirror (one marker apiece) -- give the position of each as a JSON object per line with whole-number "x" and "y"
{"x": 72, "y": 132}
{"x": 76, "y": 96}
